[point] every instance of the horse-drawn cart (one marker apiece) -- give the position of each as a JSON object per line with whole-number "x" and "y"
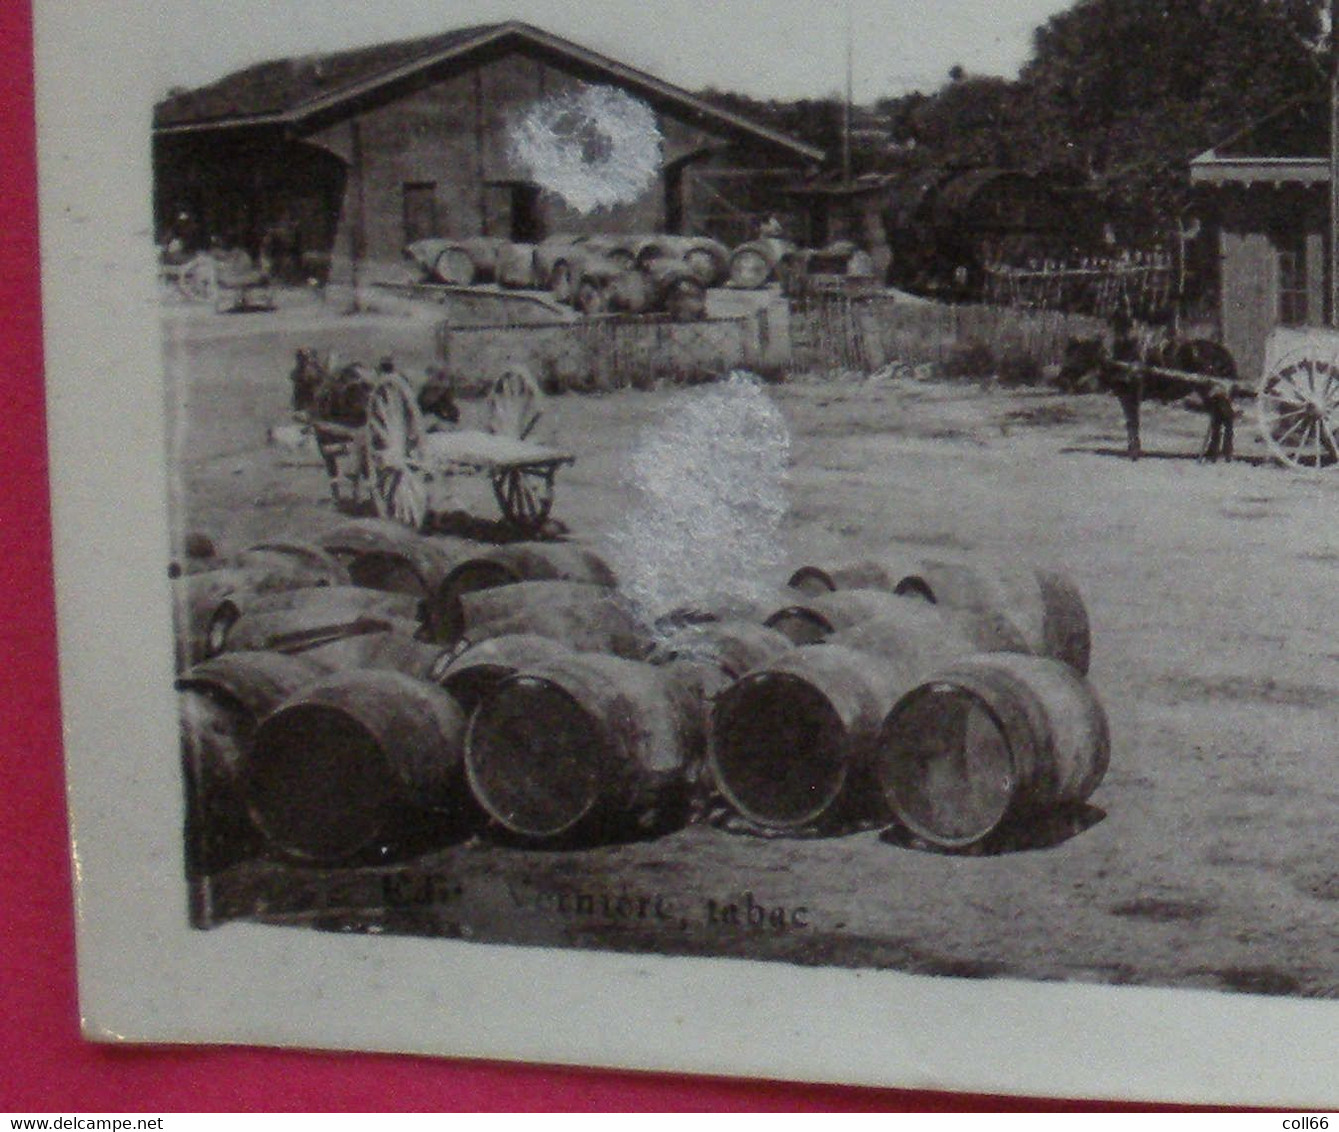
{"x": 1296, "y": 398}
{"x": 403, "y": 462}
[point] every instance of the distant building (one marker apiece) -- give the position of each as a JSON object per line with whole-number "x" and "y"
{"x": 340, "y": 160}
{"x": 937, "y": 230}
{"x": 1267, "y": 191}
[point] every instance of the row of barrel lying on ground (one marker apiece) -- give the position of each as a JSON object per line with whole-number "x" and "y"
{"x": 630, "y": 273}
{"x": 339, "y": 722}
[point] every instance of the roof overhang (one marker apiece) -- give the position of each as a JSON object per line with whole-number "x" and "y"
{"x": 1211, "y": 169}
{"x": 656, "y": 90}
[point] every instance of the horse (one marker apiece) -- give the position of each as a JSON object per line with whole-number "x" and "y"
{"x": 328, "y": 392}
{"x": 339, "y": 394}
{"x": 437, "y": 398}
{"x": 1129, "y": 370}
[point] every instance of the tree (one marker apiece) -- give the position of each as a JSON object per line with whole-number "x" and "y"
{"x": 1122, "y": 92}
{"x": 1134, "y": 88}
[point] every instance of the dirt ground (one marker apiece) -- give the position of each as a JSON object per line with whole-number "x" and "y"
{"x": 1215, "y": 862}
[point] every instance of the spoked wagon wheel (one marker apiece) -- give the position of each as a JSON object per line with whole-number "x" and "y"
{"x": 515, "y": 404}
{"x": 525, "y": 496}
{"x": 1298, "y": 411}
{"x": 399, "y": 480}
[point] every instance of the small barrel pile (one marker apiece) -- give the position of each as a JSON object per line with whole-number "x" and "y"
{"x": 639, "y": 273}
{"x": 427, "y": 688}
{"x": 631, "y": 274}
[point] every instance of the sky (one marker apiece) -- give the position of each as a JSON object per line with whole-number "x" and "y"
{"x": 764, "y": 48}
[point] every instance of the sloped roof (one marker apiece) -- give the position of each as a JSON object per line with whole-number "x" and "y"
{"x": 288, "y": 92}
{"x": 282, "y": 86}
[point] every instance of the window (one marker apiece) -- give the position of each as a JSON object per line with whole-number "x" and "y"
{"x": 1293, "y": 291}
{"x": 420, "y": 211}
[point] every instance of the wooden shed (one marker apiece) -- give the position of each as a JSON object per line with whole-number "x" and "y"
{"x": 341, "y": 160}
{"x": 946, "y": 226}
{"x": 1266, "y": 192}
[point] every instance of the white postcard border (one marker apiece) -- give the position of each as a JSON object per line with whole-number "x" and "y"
{"x": 146, "y": 977}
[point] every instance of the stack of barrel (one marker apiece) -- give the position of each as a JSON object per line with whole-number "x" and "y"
{"x": 633, "y": 274}
{"x": 426, "y": 688}
{"x": 636, "y": 273}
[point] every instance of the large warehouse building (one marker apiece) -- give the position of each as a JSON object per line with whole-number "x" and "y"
{"x": 344, "y": 159}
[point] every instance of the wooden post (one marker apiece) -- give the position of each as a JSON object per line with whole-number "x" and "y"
{"x": 359, "y": 234}
{"x": 480, "y": 171}
{"x": 1334, "y": 167}
{"x": 850, "y": 97}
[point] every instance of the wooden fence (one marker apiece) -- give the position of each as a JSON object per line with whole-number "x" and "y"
{"x": 865, "y": 333}
{"x": 1143, "y": 284}
{"x": 824, "y": 333}
{"x": 601, "y": 352}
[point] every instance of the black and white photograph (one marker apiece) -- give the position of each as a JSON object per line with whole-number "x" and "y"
{"x": 758, "y": 538}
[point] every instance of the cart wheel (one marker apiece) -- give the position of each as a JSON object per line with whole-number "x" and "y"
{"x": 1298, "y": 411}
{"x": 525, "y": 496}
{"x": 515, "y": 404}
{"x": 399, "y": 482}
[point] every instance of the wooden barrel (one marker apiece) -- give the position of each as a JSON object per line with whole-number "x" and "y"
{"x": 392, "y": 649}
{"x": 708, "y": 260}
{"x": 734, "y": 647}
{"x": 483, "y": 252}
{"x": 356, "y": 762}
{"x": 585, "y": 617}
{"x": 922, "y": 637}
{"x": 504, "y": 566}
{"x": 754, "y": 264}
{"x": 455, "y": 266}
{"x": 208, "y": 604}
{"x": 552, "y": 250}
{"x": 679, "y": 293}
{"x": 516, "y": 266}
{"x": 304, "y": 629}
{"x": 815, "y": 619}
{"x": 592, "y": 747}
{"x": 221, "y": 703}
{"x": 791, "y": 741}
{"x": 301, "y": 563}
{"x": 381, "y": 554}
{"x": 607, "y": 254}
{"x": 990, "y": 739}
{"x": 707, "y": 608}
{"x": 591, "y": 295}
{"x": 426, "y": 253}
{"x": 327, "y": 605}
{"x": 474, "y": 673}
{"x": 927, "y": 636}
{"x": 700, "y": 662}
{"x": 1045, "y": 604}
{"x": 893, "y": 572}
{"x": 631, "y": 292}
